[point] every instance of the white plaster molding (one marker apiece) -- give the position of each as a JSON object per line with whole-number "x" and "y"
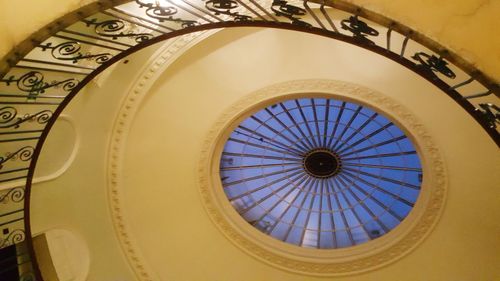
{"x": 72, "y": 155}
{"x": 62, "y": 169}
{"x": 361, "y": 258}
{"x": 161, "y": 60}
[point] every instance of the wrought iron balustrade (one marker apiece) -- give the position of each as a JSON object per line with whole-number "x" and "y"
{"x": 15, "y": 259}
{"x": 40, "y": 77}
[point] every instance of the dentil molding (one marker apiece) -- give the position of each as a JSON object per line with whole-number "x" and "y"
{"x": 162, "y": 59}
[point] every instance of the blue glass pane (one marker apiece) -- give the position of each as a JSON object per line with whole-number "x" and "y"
{"x": 320, "y": 173}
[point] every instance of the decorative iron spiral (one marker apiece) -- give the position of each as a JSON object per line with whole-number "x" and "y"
{"x": 24, "y": 154}
{"x": 116, "y": 29}
{"x": 359, "y": 29}
{"x": 162, "y": 13}
{"x": 66, "y": 49}
{"x": 225, "y": 7}
{"x": 70, "y": 84}
{"x": 33, "y": 82}
{"x": 110, "y": 26}
{"x": 15, "y": 237}
{"x": 71, "y": 51}
{"x": 100, "y": 58}
{"x": 141, "y": 37}
{"x": 434, "y": 64}
{"x": 282, "y": 8}
{"x": 30, "y": 81}
{"x": 41, "y": 117}
{"x": 15, "y": 195}
{"x": 7, "y": 114}
{"x": 320, "y": 173}
{"x": 9, "y": 119}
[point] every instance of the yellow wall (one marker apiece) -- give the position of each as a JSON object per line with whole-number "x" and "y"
{"x": 19, "y": 19}
{"x": 468, "y": 27}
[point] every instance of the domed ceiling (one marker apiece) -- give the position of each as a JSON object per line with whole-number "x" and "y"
{"x": 159, "y": 125}
{"x": 130, "y": 180}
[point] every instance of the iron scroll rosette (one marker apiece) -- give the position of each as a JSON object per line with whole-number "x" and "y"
{"x": 336, "y": 262}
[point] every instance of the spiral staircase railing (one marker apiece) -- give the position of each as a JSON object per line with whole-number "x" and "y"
{"x": 41, "y": 76}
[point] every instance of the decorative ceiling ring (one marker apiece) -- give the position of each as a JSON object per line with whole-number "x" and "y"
{"x": 343, "y": 260}
{"x": 133, "y": 100}
{"x": 83, "y": 44}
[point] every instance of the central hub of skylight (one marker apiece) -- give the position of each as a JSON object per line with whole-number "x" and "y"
{"x": 321, "y": 163}
{"x": 320, "y": 173}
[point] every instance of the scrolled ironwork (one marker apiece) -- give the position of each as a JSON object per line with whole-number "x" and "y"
{"x": 71, "y": 51}
{"x": 433, "y": 64}
{"x": 491, "y": 114}
{"x": 163, "y": 13}
{"x": 24, "y": 154}
{"x": 225, "y": 7}
{"x": 7, "y": 114}
{"x": 9, "y": 119}
{"x": 281, "y": 8}
{"x": 41, "y": 117}
{"x": 33, "y": 82}
{"x": 14, "y": 237}
{"x": 359, "y": 29}
{"x": 15, "y": 195}
{"x": 116, "y": 29}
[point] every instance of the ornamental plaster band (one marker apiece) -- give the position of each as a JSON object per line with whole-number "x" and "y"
{"x": 159, "y": 62}
{"x": 362, "y": 258}
{"x": 336, "y": 262}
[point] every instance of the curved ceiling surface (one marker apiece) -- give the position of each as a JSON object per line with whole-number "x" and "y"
{"x": 430, "y": 64}
{"x": 155, "y": 190}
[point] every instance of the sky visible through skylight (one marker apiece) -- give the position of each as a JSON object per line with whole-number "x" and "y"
{"x": 375, "y": 184}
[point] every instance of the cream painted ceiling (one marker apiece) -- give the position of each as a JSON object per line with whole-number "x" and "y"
{"x": 171, "y": 232}
{"x": 176, "y": 239}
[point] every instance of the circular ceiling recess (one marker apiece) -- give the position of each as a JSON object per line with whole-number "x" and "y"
{"x": 320, "y": 172}
{"x": 322, "y": 177}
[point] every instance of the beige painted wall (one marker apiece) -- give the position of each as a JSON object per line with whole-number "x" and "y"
{"x": 19, "y": 19}
{"x": 469, "y": 27}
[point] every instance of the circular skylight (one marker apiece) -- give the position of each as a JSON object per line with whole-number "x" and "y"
{"x": 320, "y": 173}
